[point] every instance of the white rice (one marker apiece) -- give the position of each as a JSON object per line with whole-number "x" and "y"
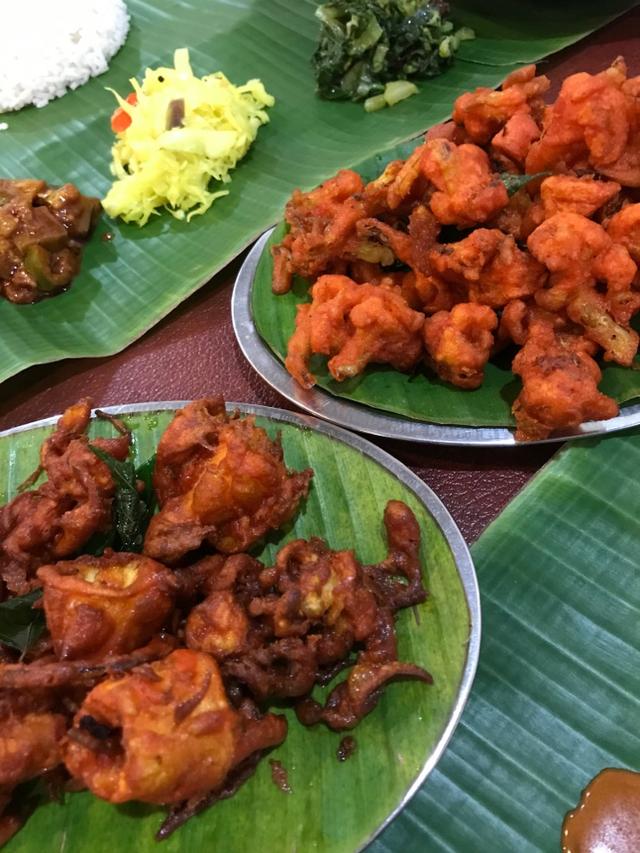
{"x": 51, "y": 45}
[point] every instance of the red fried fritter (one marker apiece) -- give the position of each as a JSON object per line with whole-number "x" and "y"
{"x": 467, "y": 191}
{"x": 624, "y": 228}
{"x": 164, "y": 733}
{"x": 459, "y": 343}
{"x": 488, "y": 267}
{"x": 56, "y": 519}
{"x": 565, "y": 193}
{"x": 356, "y": 325}
{"x": 221, "y": 480}
{"x": 96, "y": 607}
{"x": 485, "y": 112}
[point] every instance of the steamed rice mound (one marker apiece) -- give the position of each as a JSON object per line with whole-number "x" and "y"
{"x": 48, "y": 46}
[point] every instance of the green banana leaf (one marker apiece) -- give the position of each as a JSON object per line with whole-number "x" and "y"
{"x": 129, "y": 283}
{"x": 419, "y": 395}
{"x": 335, "y": 807}
{"x": 557, "y": 694}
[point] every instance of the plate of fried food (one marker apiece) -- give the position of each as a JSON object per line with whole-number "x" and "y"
{"x": 480, "y": 287}
{"x": 203, "y": 611}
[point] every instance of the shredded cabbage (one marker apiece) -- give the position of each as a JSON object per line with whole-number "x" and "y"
{"x": 156, "y": 166}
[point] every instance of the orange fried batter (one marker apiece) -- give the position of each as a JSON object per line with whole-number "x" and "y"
{"x": 624, "y": 228}
{"x": 56, "y": 519}
{"x": 219, "y": 480}
{"x": 163, "y": 733}
{"x": 560, "y": 383}
{"x": 459, "y": 343}
{"x": 588, "y": 124}
{"x": 565, "y": 193}
{"x": 484, "y": 112}
{"x": 29, "y": 745}
{"x": 488, "y": 267}
{"x": 320, "y": 221}
{"x": 101, "y": 606}
{"x": 579, "y": 252}
{"x": 355, "y": 324}
{"x": 467, "y": 191}
{"x": 516, "y": 137}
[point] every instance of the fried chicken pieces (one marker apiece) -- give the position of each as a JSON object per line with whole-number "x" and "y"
{"x": 153, "y": 683}
{"x": 566, "y": 242}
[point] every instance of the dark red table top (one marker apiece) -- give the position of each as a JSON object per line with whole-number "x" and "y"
{"x": 193, "y": 353}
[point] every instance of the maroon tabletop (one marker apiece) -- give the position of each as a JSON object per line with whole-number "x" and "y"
{"x": 193, "y": 353}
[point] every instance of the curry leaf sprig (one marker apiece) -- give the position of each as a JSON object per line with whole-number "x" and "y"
{"x": 132, "y": 510}
{"x": 20, "y": 624}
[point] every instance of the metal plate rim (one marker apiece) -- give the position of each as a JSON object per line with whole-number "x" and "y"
{"x": 436, "y": 509}
{"x": 364, "y": 419}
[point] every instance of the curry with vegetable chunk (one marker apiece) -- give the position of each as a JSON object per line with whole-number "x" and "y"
{"x": 42, "y": 230}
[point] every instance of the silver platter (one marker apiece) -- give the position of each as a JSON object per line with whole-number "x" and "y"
{"x": 361, "y": 418}
{"x": 433, "y": 505}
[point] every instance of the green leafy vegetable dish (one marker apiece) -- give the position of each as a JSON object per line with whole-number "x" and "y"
{"x": 369, "y": 50}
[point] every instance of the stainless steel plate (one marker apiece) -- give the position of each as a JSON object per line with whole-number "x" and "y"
{"x": 361, "y": 418}
{"x": 434, "y": 507}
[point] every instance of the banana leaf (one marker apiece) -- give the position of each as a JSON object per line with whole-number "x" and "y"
{"x": 129, "y": 283}
{"x": 557, "y": 694}
{"x": 335, "y": 807}
{"x": 419, "y": 395}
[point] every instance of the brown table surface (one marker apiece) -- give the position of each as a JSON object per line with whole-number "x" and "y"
{"x": 193, "y": 353}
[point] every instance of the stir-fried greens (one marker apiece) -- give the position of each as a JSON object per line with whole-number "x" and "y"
{"x": 365, "y": 45}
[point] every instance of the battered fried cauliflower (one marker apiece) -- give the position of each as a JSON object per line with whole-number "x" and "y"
{"x": 488, "y": 267}
{"x": 220, "y": 480}
{"x": 356, "y": 325}
{"x": 459, "y": 343}
{"x": 624, "y": 229}
{"x": 164, "y": 733}
{"x": 467, "y": 191}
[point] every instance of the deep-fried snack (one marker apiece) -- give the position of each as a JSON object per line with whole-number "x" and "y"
{"x": 560, "y": 383}
{"x": 624, "y": 228}
{"x": 579, "y": 252}
{"x": 163, "y": 733}
{"x": 30, "y": 744}
{"x": 56, "y": 519}
{"x": 516, "y": 137}
{"x": 488, "y": 267}
{"x": 356, "y": 325}
{"x": 459, "y": 343}
{"x": 320, "y": 222}
{"x": 220, "y": 480}
{"x": 280, "y": 630}
{"x": 97, "y": 607}
{"x": 595, "y": 314}
{"x": 588, "y": 125}
{"x": 467, "y": 191}
{"x": 485, "y": 112}
{"x": 584, "y": 195}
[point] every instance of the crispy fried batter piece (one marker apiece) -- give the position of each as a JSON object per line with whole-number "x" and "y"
{"x": 320, "y": 221}
{"x": 163, "y": 733}
{"x": 560, "y": 382}
{"x": 487, "y": 267}
{"x": 579, "y": 252}
{"x": 459, "y": 343}
{"x": 56, "y": 519}
{"x": 624, "y": 228}
{"x": 587, "y": 125}
{"x": 485, "y": 112}
{"x": 516, "y": 137}
{"x": 355, "y": 324}
{"x": 101, "y": 606}
{"x": 280, "y": 630}
{"x": 467, "y": 191}
{"x": 585, "y": 195}
{"x": 221, "y": 480}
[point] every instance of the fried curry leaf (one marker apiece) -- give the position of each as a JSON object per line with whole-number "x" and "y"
{"x": 513, "y": 183}
{"x": 367, "y": 43}
{"x": 131, "y": 509}
{"x": 20, "y": 624}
